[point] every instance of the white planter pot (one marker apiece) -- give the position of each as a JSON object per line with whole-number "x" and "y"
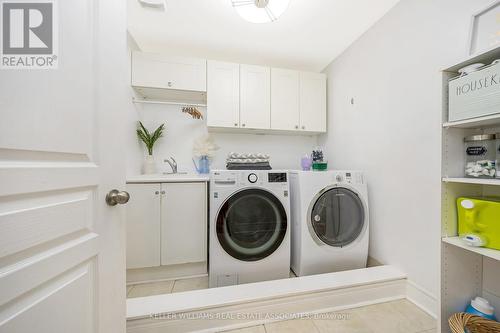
{"x": 149, "y": 166}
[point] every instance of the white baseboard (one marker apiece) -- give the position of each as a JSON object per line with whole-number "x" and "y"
{"x": 422, "y": 298}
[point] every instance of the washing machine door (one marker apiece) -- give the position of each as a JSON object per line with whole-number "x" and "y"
{"x": 337, "y": 217}
{"x": 251, "y": 224}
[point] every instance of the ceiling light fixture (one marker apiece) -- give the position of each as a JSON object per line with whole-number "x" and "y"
{"x": 260, "y": 11}
{"x": 154, "y": 3}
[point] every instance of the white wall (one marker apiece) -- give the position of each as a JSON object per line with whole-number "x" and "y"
{"x": 392, "y": 131}
{"x": 182, "y": 130}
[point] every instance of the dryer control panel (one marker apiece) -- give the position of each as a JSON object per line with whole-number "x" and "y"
{"x": 351, "y": 177}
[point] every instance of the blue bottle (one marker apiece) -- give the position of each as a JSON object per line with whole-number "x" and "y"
{"x": 203, "y": 166}
{"x": 481, "y": 307}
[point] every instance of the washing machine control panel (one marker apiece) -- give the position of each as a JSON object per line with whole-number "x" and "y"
{"x": 252, "y": 178}
{"x": 227, "y": 178}
{"x": 277, "y": 177}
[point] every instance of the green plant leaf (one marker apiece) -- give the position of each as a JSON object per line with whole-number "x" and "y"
{"x": 148, "y": 138}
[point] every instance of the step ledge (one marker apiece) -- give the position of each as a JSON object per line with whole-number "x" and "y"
{"x": 143, "y": 307}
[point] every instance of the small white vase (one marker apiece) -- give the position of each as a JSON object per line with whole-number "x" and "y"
{"x": 149, "y": 166}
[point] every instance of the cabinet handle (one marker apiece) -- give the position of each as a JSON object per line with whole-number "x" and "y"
{"x": 303, "y": 127}
{"x": 296, "y": 126}
{"x": 236, "y": 124}
{"x": 242, "y": 125}
{"x": 169, "y": 83}
{"x": 157, "y": 192}
{"x": 162, "y": 192}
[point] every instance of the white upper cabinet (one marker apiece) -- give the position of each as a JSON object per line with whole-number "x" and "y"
{"x": 285, "y": 90}
{"x": 159, "y": 71}
{"x": 223, "y": 94}
{"x": 313, "y": 102}
{"x": 255, "y": 97}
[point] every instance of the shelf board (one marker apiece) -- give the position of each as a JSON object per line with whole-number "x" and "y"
{"x": 485, "y": 57}
{"x": 490, "y": 253}
{"x": 480, "y": 122}
{"x": 479, "y": 181}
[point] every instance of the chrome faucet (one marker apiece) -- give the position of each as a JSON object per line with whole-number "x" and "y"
{"x": 173, "y": 164}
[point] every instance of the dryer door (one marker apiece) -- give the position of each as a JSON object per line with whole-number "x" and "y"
{"x": 337, "y": 217}
{"x": 251, "y": 224}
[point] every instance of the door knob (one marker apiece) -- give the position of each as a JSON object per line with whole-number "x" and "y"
{"x": 115, "y": 197}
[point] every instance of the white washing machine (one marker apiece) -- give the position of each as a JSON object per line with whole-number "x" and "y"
{"x": 330, "y": 221}
{"x": 249, "y": 227}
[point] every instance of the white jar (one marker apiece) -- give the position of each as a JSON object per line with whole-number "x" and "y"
{"x": 480, "y": 156}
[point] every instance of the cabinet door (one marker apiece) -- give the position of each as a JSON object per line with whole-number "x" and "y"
{"x": 255, "y": 97}
{"x": 159, "y": 71}
{"x": 183, "y": 223}
{"x": 313, "y": 102}
{"x": 143, "y": 225}
{"x": 284, "y": 99}
{"x": 223, "y": 94}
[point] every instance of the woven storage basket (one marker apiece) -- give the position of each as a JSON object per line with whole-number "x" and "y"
{"x": 459, "y": 322}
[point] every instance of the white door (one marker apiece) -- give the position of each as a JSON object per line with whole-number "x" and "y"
{"x": 143, "y": 225}
{"x": 223, "y": 94}
{"x": 62, "y": 249}
{"x": 160, "y": 71}
{"x": 313, "y": 102}
{"x": 284, "y": 99}
{"x": 255, "y": 97}
{"x": 183, "y": 223}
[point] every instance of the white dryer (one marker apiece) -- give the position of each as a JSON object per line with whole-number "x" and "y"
{"x": 330, "y": 221}
{"x": 249, "y": 233}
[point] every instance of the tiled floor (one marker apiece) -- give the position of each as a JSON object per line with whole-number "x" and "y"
{"x": 392, "y": 317}
{"x": 167, "y": 287}
{"x": 171, "y": 286}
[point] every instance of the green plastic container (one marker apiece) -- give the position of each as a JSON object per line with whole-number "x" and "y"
{"x": 320, "y": 166}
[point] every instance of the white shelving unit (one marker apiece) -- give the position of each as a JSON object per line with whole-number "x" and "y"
{"x": 480, "y": 122}
{"x": 455, "y": 241}
{"x": 480, "y": 181}
{"x": 466, "y": 271}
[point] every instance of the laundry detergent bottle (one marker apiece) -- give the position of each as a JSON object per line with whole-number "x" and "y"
{"x": 481, "y": 307}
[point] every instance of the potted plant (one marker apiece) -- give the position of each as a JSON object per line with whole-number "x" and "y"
{"x": 149, "y": 139}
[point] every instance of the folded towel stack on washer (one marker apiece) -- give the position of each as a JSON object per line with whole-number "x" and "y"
{"x": 250, "y": 161}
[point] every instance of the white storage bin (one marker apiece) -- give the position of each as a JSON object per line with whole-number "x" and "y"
{"x": 476, "y": 94}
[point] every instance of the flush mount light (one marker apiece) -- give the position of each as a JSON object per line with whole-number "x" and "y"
{"x": 154, "y": 3}
{"x": 260, "y": 11}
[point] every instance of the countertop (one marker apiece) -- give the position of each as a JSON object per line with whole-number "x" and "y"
{"x": 172, "y": 178}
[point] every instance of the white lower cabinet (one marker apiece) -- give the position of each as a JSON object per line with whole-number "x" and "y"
{"x": 166, "y": 224}
{"x": 143, "y": 225}
{"x": 183, "y": 223}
